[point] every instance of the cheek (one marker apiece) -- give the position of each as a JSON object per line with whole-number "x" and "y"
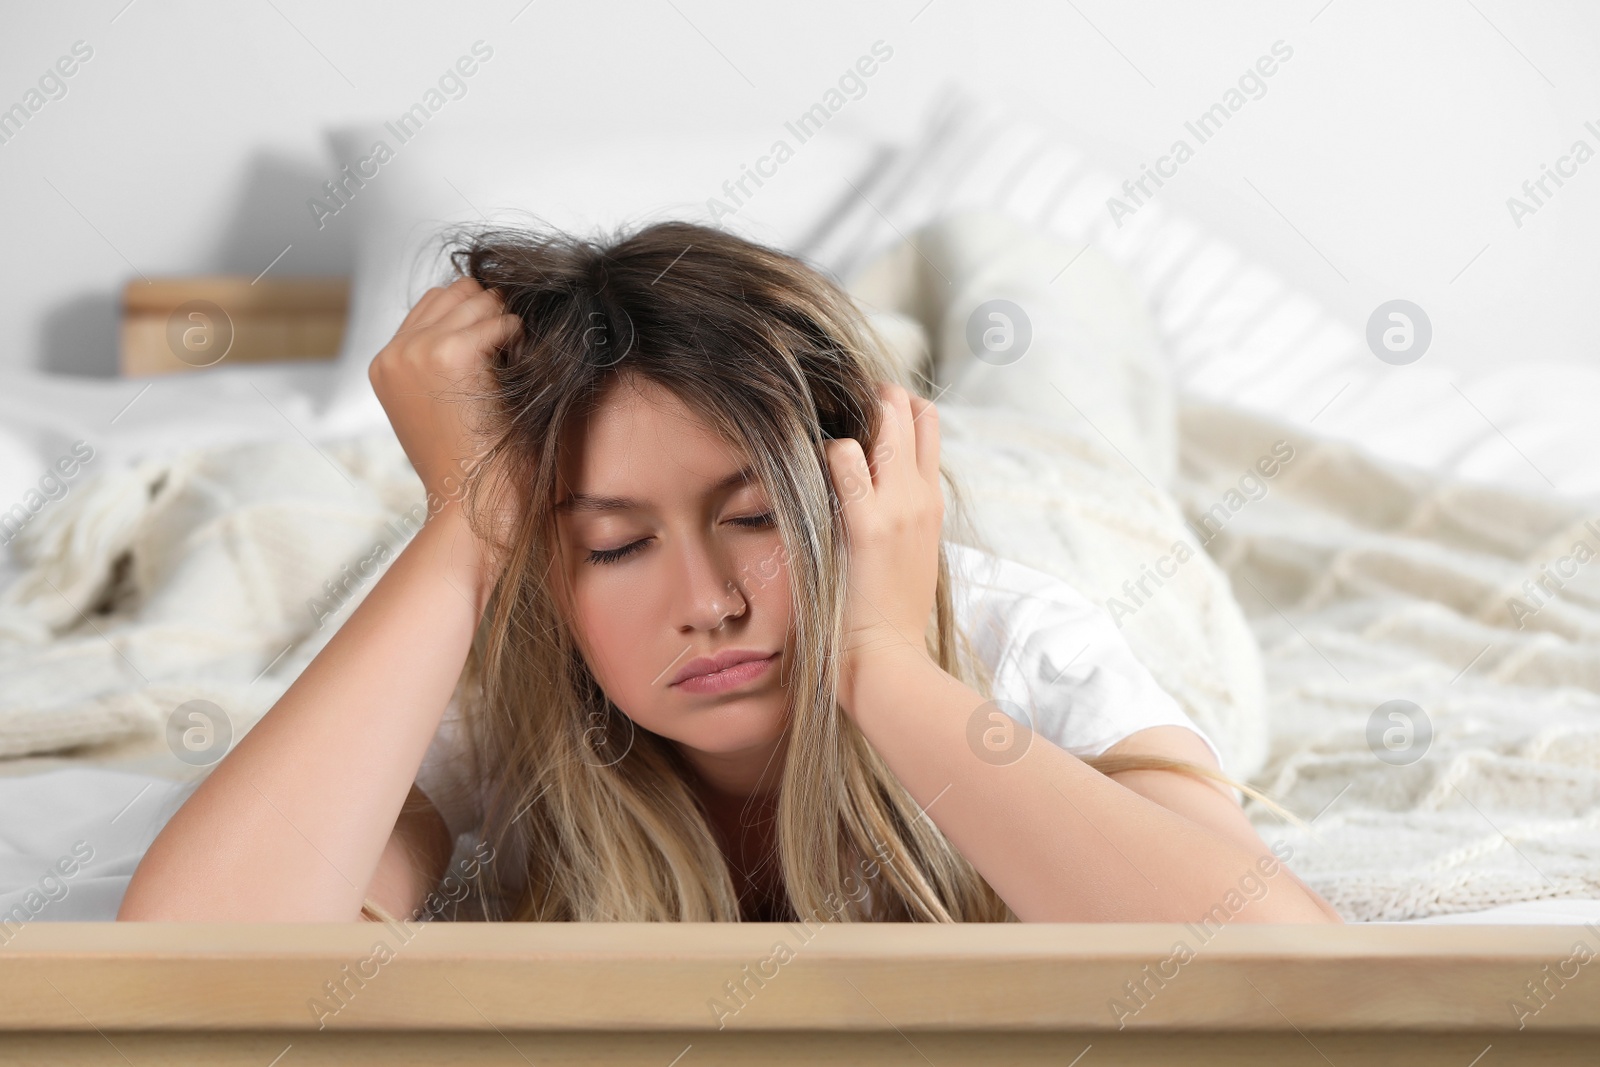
{"x": 619, "y": 628}
{"x": 764, "y": 582}
{"x": 764, "y": 577}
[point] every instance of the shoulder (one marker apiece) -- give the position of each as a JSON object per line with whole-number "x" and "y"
{"x": 1057, "y": 655}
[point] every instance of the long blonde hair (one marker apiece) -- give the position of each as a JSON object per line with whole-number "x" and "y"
{"x": 592, "y": 818}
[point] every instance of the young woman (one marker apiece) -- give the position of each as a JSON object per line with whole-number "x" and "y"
{"x": 706, "y": 650}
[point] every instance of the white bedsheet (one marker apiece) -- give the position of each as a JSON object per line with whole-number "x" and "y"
{"x": 115, "y": 815}
{"x": 98, "y": 821}
{"x": 42, "y": 415}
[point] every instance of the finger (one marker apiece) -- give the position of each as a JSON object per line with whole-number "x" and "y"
{"x": 847, "y": 467}
{"x": 484, "y": 304}
{"x": 489, "y": 334}
{"x": 925, "y": 421}
{"x": 897, "y": 449}
{"x": 445, "y": 298}
{"x": 462, "y": 287}
{"x": 422, "y": 310}
{"x": 455, "y": 294}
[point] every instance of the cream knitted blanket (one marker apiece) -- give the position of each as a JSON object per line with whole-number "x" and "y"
{"x": 1478, "y": 607}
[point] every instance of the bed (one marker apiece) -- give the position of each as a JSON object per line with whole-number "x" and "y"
{"x": 1351, "y": 600}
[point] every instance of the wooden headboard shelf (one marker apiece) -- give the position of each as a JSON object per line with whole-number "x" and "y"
{"x": 183, "y": 324}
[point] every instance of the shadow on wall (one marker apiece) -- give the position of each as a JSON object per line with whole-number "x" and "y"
{"x": 79, "y": 336}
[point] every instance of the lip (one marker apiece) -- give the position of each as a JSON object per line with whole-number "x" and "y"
{"x": 726, "y": 670}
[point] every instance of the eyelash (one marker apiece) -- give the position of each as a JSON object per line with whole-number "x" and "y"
{"x": 614, "y": 555}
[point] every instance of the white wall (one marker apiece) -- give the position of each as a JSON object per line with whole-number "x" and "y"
{"x": 191, "y": 139}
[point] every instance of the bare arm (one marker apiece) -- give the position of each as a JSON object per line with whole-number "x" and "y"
{"x": 1209, "y": 803}
{"x": 293, "y": 823}
{"x": 1058, "y": 840}
{"x": 414, "y": 860}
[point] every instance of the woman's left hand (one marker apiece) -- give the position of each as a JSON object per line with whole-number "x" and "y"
{"x": 894, "y": 514}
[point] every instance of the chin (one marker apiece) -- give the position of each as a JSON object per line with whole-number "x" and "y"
{"x": 737, "y": 726}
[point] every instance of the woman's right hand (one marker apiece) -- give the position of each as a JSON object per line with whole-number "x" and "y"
{"x": 428, "y": 376}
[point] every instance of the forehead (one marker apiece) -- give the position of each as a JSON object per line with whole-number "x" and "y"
{"x": 643, "y": 442}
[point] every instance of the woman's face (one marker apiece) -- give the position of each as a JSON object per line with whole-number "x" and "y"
{"x": 672, "y": 555}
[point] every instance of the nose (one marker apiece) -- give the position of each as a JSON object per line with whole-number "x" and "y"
{"x": 710, "y": 595}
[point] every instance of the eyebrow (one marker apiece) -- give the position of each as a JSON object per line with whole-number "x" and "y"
{"x": 590, "y": 502}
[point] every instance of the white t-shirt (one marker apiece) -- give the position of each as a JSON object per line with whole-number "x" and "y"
{"x": 1060, "y": 656}
{"x": 1053, "y": 653}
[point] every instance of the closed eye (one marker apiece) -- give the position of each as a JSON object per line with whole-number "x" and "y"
{"x": 614, "y": 555}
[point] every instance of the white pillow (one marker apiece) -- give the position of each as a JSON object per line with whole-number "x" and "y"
{"x": 1220, "y": 316}
{"x": 575, "y": 178}
{"x": 1234, "y": 330}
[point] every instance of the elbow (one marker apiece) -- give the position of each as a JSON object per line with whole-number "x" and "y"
{"x": 157, "y": 894}
{"x": 1329, "y": 915}
{"x": 134, "y": 909}
{"x": 1301, "y": 907}
{"x": 1313, "y": 910}
{"x": 141, "y": 903}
